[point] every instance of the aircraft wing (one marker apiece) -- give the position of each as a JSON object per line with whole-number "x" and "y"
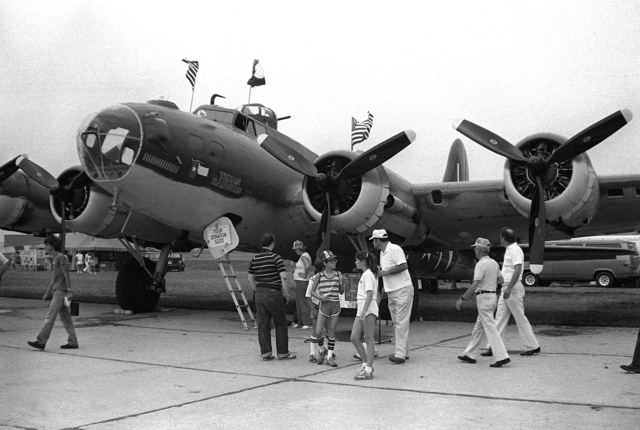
{"x": 456, "y": 213}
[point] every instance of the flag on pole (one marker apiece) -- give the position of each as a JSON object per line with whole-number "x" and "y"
{"x": 360, "y": 130}
{"x": 257, "y": 76}
{"x": 192, "y": 72}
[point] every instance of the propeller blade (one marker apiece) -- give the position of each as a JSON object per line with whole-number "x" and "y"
{"x": 377, "y": 155}
{"x": 287, "y": 155}
{"x": 8, "y": 169}
{"x": 537, "y": 222}
{"x": 325, "y": 227}
{"x": 591, "y": 136}
{"x": 35, "y": 172}
{"x": 489, "y": 140}
{"x": 80, "y": 181}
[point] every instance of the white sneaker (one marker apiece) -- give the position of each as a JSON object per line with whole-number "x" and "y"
{"x": 363, "y": 374}
{"x": 305, "y": 327}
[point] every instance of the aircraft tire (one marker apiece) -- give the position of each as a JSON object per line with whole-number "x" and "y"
{"x": 131, "y": 287}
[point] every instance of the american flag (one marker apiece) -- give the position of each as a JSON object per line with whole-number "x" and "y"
{"x": 360, "y": 130}
{"x": 192, "y": 72}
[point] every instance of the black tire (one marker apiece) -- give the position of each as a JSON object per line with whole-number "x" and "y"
{"x": 530, "y": 279}
{"x": 605, "y": 279}
{"x": 131, "y": 287}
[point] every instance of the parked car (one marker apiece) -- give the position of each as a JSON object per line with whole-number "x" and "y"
{"x": 603, "y": 264}
{"x": 174, "y": 262}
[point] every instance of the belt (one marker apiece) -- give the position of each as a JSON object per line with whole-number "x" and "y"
{"x": 265, "y": 287}
{"x": 484, "y": 292}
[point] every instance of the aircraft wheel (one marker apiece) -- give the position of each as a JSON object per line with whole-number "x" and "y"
{"x": 604, "y": 279}
{"x": 530, "y": 279}
{"x": 131, "y": 287}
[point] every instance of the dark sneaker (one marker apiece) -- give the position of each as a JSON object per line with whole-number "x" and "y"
{"x": 268, "y": 358}
{"x": 287, "y": 356}
{"x": 36, "y": 345}
{"x": 69, "y": 346}
{"x": 396, "y": 360}
{"x": 466, "y": 359}
{"x": 332, "y": 362}
{"x": 487, "y": 353}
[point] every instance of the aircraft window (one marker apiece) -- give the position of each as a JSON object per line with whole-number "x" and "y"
{"x": 113, "y": 142}
{"x": 90, "y": 139}
{"x": 260, "y": 129}
{"x": 127, "y": 156}
{"x": 216, "y": 115}
{"x": 436, "y": 195}
{"x": 241, "y": 122}
{"x": 615, "y": 192}
{"x": 250, "y": 128}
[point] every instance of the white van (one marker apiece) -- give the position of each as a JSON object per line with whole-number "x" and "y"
{"x": 603, "y": 264}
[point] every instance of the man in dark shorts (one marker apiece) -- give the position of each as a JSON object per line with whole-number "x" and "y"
{"x": 268, "y": 277}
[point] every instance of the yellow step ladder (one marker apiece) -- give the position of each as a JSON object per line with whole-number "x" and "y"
{"x": 236, "y": 289}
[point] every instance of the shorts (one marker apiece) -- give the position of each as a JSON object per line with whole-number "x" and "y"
{"x": 330, "y": 309}
{"x": 314, "y": 311}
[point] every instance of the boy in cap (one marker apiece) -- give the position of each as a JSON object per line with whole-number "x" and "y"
{"x": 486, "y": 278}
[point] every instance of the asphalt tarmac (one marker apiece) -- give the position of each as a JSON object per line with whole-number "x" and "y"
{"x": 191, "y": 369}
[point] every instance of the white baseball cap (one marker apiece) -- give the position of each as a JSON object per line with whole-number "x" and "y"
{"x": 379, "y": 234}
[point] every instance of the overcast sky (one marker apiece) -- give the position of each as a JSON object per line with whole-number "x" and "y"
{"x": 514, "y": 67}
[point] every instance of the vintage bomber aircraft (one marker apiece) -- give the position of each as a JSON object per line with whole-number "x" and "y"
{"x": 159, "y": 176}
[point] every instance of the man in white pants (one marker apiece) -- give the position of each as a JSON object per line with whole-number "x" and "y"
{"x": 512, "y": 299}
{"x": 399, "y": 289}
{"x": 486, "y": 278}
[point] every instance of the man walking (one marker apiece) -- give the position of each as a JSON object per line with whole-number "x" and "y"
{"x": 58, "y": 289}
{"x": 268, "y": 277}
{"x": 512, "y": 298}
{"x": 399, "y": 289}
{"x": 634, "y": 367}
{"x": 486, "y": 278}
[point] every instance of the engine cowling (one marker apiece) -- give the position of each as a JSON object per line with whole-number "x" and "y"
{"x": 572, "y": 186}
{"x": 357, "y": 204}
{"x": 24, "y": 206}
{"x": 92, "y": 211}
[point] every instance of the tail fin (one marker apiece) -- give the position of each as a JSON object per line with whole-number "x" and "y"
{"x": 457, "y": 166}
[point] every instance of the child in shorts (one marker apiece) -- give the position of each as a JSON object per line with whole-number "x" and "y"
{"x": 367, "y": 312}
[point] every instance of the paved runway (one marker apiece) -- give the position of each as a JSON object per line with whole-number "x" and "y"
{"x": 186, "y": 369}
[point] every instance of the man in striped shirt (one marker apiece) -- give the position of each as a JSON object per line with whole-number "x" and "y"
{"x": 268, "y": 277}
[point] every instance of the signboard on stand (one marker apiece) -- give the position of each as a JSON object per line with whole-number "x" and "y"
{"x": 221, "y": 237}
{"x": 348, "y": 300}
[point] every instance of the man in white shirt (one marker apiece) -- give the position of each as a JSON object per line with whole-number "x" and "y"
{"x": 512, "y": 298}
{"x": 399, "y": 289}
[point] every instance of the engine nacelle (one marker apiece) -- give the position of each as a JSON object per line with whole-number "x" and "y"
{"x": 24, "y": 206}
{"x": 93, "y": 211}
{"x": 572, "y": 186}
{"x": 376, "y": 199}
{"x": 357, "y": 204}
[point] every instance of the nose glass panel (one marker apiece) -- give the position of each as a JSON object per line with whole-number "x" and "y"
{"x": 109, "y": 142}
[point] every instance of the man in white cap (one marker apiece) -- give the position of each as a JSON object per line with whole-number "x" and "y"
{"x": 486, "y": 278}
{"x": 399, "y": 289}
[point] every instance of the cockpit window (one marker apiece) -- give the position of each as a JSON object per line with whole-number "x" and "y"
{"x": 222, "y": 116}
